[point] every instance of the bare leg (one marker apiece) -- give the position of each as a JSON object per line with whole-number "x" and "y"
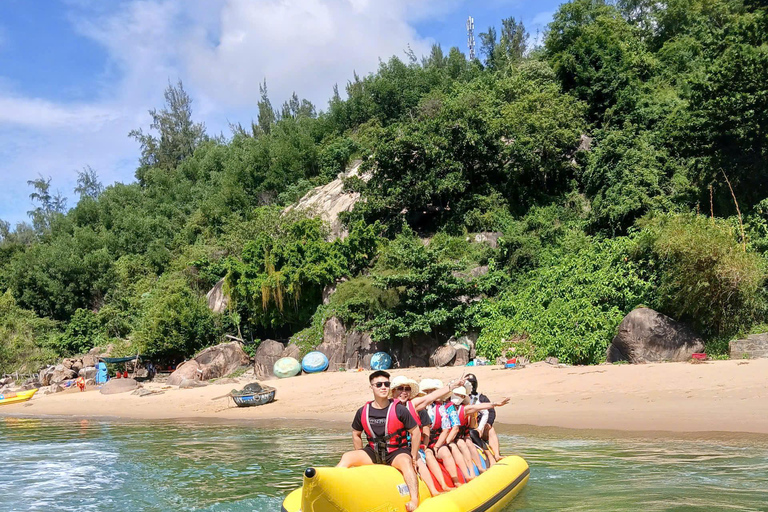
{"x": 473, "y": 454}
{"x": 434, "y": 467}
{"x": 354, "y": 458}
{"x": 491, "y": 458}
{"x": 461, "y": 462}
{"x": 404, "y": 464}
{"x": 493, "y": 440}
{"x": 425, "y": 475}
{"x": 445, "y": 455}
{"x": 464, "y": 449}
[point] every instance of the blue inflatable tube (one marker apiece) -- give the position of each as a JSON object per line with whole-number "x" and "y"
{"x": 314, "y": 362}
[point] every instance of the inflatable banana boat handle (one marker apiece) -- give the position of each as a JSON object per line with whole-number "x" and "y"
{"x": 381, "y": 488}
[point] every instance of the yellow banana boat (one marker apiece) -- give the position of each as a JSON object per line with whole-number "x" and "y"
{"x": 14, "y": 398}
{"x": 379, "y": 488}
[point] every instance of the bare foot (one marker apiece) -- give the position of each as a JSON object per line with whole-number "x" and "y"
{"x": 411, "y": 505}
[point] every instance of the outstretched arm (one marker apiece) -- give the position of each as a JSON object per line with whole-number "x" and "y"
{"x": 422, "y": 402}
{"x": 469, "y": 409}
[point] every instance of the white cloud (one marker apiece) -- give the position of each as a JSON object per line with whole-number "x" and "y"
{"x": 221, "y": 49}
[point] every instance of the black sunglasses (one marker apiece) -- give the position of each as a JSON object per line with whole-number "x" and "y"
{"x": 379, "y": 384}
{"x": 403, "y": 388}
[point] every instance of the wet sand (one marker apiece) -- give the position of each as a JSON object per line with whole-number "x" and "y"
{"x": 713, "y": 397}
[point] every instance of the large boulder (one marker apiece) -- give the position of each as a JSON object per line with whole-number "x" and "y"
{"x": 648, "y": 336}
{"x": 60, "y": 374}
{"x": 334, "y": 344}
{"x": 186, "y": 370}
{"x": 211, "y": 363}
{"x": 329, "y": 200}
{"x": 443, "y": 356}
{"x": 292, "y": 350}
{"x": 753, "y": 346}
{"x": 217, "y": 299}
{"x": 88, "y": 372}
{"x": 89, "y": 360}
{"x": 115, "y": 386}
{"x": 221, "y": 360}
{"x": 268, "y": 352}
{"x": 45, "y": 375}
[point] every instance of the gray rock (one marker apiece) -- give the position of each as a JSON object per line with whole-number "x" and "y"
{"x": 329, "y": 290}
{"x": 49, "y": 390}
{"x": 217, "y": 299}
{"x": 462, "y": 356}
{"x": 212, "y": 363}
{"x": 5, "y": 381}
{"x": 443, "y": 356}
{"x": 186, "y": 370}
{"x": 61, "y": 374}
{"x": 115, "y": 386}
{"x": 67, "y": 363}
{"x": 88, "y": 372}
{"x": 189, "y": 383}
{"x": 648, "y": 336}
{"x": 754, "y": 346}
{"x": 329, "y": 200}
{"x": 268, "y": 352}
{"x": 292, "y": 350}
{"x": 489, "y": 237}
{"x": 334, "y": 344}
{"x": 89, "y": 360}
{"x": 45, "y": 375}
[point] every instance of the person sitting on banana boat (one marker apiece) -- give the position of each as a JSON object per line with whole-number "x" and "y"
{"x": 467, "y": 417}
{"x": 386, "y": 424}
{"x": 485, "y": 431}
{"x": 443, "y": 418}
{"x": 407, "y": 391}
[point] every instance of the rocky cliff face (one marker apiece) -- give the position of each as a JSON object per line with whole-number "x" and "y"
{"x": 329, "y": 200}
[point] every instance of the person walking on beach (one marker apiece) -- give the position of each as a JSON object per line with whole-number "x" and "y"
{"x": 386, "y": 424}
{"x": 80, "y": 383}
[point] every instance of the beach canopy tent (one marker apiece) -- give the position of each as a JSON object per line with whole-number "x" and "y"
{"x": 111, "y": 360}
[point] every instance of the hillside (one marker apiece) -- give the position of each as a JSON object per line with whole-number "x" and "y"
{"x": 666, "y": 206}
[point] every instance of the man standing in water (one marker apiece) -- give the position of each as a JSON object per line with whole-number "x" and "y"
{"x": 386, "y": 424}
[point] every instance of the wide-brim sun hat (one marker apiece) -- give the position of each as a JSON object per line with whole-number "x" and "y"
{"x": 428, "y": 385}
{"x": 461, "y": 391}
{"x": 402, "y": 380}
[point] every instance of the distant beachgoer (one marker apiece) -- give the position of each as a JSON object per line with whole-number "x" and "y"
{"x": 81, "y": 383}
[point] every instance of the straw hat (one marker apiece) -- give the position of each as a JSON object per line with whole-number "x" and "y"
{"x": 402, "y": 380}
{"x": 461, "y": 391}
{"x": 430, "y": 384}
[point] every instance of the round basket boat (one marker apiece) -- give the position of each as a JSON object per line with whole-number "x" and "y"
{"x": 381, "y": 361}
{"x": 286, "y": 367}
{"x": 253, "y": 395}
{"x": 314, "y": 362}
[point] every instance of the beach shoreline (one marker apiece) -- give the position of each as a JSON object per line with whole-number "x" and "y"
{"x": 713, "y": 400}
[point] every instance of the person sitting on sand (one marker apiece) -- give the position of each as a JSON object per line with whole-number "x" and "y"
{"x": 460, "y": 440}
{"x": 386, "y": 424}
{"x": 485, "y": 429}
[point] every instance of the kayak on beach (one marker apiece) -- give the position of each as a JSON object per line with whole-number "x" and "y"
{"x": 15, "y": 398}
{"x": 381, "y": 487}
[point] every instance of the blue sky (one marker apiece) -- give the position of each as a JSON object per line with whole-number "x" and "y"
{"x": 77, "y": 75}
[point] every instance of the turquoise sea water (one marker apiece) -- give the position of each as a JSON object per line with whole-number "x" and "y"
{"x": 52, "y": 464}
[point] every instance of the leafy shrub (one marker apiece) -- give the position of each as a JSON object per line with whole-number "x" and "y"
{"x": 705, "y": 276}
{"x": 23, "y": 338}
{"x": 568, "y": 308}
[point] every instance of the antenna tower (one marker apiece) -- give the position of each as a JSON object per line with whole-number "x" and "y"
{"x": 471, "y": 37}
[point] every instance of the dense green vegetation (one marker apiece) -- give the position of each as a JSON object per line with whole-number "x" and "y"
{"x": 624, "y": 162}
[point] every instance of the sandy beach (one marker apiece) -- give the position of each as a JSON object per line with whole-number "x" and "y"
{"x": 716, "y": 396}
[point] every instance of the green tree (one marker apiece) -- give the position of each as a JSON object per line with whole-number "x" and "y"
{"x": 178, "y": 135}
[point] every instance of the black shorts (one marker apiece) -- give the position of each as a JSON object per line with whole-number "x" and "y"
{"x": 390, "y": 456}
{"x": 475, "y": 436}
